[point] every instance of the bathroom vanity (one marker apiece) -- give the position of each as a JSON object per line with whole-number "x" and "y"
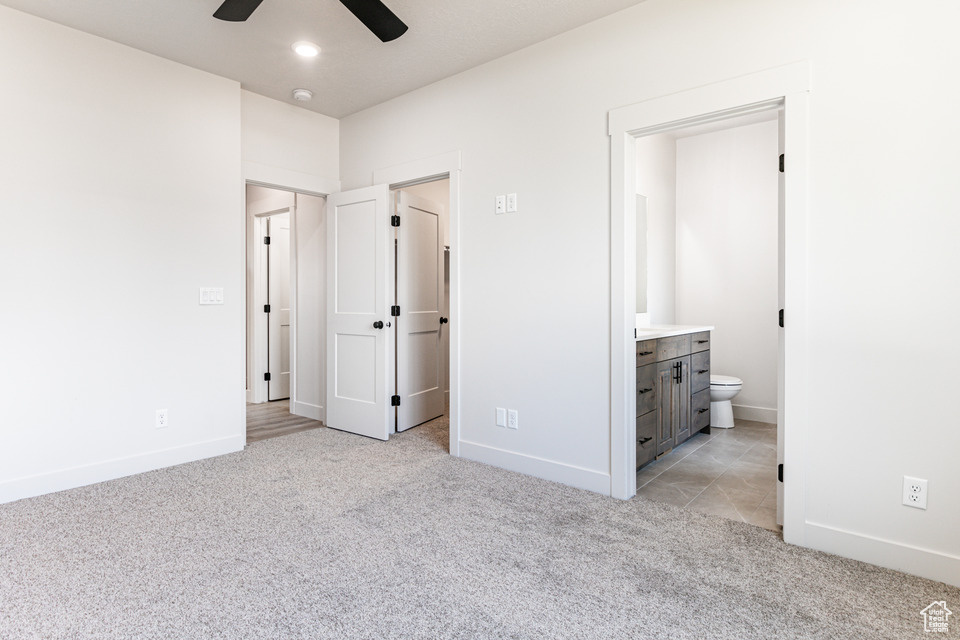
{"x": 673, "y": 387}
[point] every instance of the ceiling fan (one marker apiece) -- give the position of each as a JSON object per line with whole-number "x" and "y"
{"x": 374, "y": 14}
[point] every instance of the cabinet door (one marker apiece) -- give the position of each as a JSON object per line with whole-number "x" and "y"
{"x": 700, "y": 371}
{"x": 681, "y": 398}
{"x": 646, "y": 389}
{"x": 665, "y": 405}
{"x": 646, "y": 438}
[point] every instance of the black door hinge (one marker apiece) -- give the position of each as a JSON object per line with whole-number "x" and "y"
{"x": 395, "y": 311}
{"x": 266, "y": 376}
{"x": 266, "y": 239}
{"x": 266, "y": 308}
{"x": 781, "y": 318}
{"x": 394, "y": 221}
{"x": 781, "y": 163}
{"x": 780, "y": 472}
{"x": 395, "y": 401}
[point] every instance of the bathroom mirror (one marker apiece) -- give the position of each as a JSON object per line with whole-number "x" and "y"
{"x": 642, "y": 254}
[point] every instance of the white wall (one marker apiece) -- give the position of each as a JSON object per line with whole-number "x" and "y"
{"x": 657, "y": 180}
{"x": 277, "y": 135}
{"x": 882, "y": 225}
{"x": 121, "y": 199}
{"x": 311, "y": 307}
{"x": 727, "y": 255}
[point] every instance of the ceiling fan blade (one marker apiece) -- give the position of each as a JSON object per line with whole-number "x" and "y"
{"x": 377, "y": 17}
{"x": 236, "y": 10}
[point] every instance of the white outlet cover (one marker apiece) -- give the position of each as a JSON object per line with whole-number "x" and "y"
{"x": 501, "y": 417}
{"x": 511, "y": 203}
{"x": 513, "y": 419}
{"x": 501, "y": 204}
{"x": 915, "y": 492}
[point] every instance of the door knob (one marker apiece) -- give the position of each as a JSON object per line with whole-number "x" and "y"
{"x": 378, "y": 324}
{"x": 443, "y": 321}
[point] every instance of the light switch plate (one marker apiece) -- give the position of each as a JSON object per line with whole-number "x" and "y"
{"x": 211, "y": 295}
{"x": 501, "y": 417}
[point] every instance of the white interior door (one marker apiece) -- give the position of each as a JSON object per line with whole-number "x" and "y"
{"x": 359, "y": 346}
{"x": 781, "y": 243}
{"x": 421, "y": 323}
{"x": 278, "y": 297}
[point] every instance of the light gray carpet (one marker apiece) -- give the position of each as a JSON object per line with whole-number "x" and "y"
{"x": 322, "y": 534}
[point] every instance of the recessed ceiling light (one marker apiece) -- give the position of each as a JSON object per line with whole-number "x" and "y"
{"x": 306, "y": 49}
{"x": 303, "y": 95}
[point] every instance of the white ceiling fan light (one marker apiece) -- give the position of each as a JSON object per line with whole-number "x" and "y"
{"x": 306, "y": 49}
{"x": 302, "y": 95}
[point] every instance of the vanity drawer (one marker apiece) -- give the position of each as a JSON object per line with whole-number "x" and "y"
{"x": 646, "y": 438}
{"x": 646, "y": 352}
{"x": 700, "y": 371}
{"x": 700, "y": 341}
{"x": 673, "y": 347}
{"x": 646, "y": 389}
{"x": 699, "y": 411}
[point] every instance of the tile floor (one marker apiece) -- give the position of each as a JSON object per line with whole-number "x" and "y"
{"x": 730, "y": 473}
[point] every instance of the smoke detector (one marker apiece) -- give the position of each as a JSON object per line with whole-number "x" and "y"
{"x": 303, "y": 95}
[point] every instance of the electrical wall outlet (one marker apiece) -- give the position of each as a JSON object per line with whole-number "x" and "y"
{"x": 501, "y": 204}
{"x": 915, "y": 492}
{"x": 513, "y": 419}
{"x": 501, "y": 417}
{"x": 162, "y": 419}
{"x": 511, "y": 203}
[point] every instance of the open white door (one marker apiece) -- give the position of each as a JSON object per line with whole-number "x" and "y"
{"x": 278, "y": 297}
{"x": 359, "y": 346}
{"x": 420, "y": 324}
{"x": 781, "y": 242}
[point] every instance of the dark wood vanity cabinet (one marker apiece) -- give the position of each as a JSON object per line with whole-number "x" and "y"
{"x": 673, "y": 392}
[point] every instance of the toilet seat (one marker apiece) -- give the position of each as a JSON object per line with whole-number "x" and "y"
{"x": 724, "y": 381}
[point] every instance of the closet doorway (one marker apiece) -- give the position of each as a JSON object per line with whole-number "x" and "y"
{"x": 387, "y": 309}
{"x": 284, "y": 262}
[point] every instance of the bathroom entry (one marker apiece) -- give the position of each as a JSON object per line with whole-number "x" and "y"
{"x": 709, "y": 241}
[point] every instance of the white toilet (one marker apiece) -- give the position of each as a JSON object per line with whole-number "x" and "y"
{"x": 722, "y": 391}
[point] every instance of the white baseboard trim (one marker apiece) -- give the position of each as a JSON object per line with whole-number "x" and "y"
{"x": 926, "y": 563}
{"x": 30, "y": 486}
{"x": 307, "y": 410}
{"x": 760, "y": 414}
{"x": 537, "y": 467}
{"x": 250, "y": 398}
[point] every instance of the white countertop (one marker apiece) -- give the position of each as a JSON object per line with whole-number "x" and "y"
{"x": 667, "y": 330}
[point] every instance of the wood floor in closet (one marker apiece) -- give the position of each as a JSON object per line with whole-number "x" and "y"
{"x": 273, "y": 419}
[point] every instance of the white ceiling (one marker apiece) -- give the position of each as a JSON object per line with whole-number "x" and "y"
{"x": 355, "y": 70}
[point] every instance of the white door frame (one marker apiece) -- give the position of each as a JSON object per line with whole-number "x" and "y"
{"x": 788, "y": 85}
{"x": 447, "y": 165}
{"x": 260, "y": 321}
{"x": 284, "y": 180}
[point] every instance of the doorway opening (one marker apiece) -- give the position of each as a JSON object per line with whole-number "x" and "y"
{"x": 284, "y": 309}
{"x": 707, "y": 255}
{"x": 785, "y": 88}
{"x": 422, "y": 292}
